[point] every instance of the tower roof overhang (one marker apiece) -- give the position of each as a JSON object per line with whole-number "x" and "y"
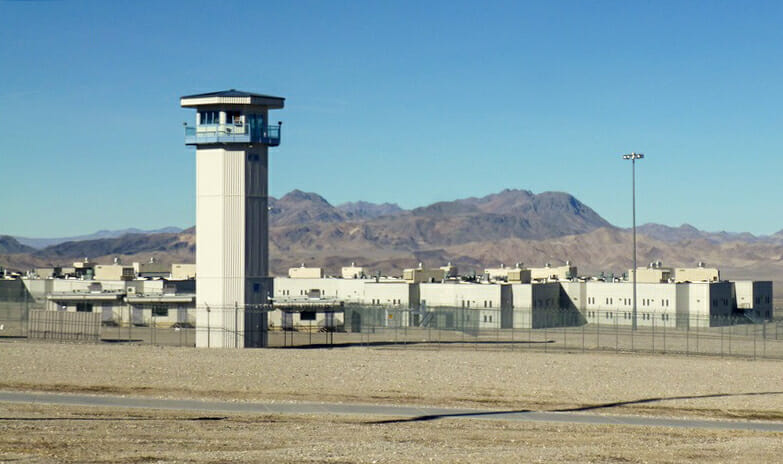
{"x": 231, "y": 97}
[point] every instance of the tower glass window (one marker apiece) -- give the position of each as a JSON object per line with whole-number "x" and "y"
{"x": 209, "y": 118}
{"x": 233, "y": 117}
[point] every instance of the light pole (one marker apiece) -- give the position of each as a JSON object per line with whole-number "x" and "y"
{"x": 633, "y": 157}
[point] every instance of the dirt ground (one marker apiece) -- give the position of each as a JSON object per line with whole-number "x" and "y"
{"x": 612, "y": 383}
{"x": 36, "y": 434}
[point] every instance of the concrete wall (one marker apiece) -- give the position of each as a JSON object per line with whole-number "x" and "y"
{"x": 573, "y": 295}
{"x": 612, "y": 303}
{"x": 232, "y": 254}
{"x": 394, "y": 294}
{"x": 539, "y": 305}
{"x": 352, "y": 272}
{"x": 423, "y": 275}
{"x": 183, "y": 271}
{"x": 696, "y": 274}
{"x": 177, "y": 313}
{"x": 754, "y": 297}
{"x": 553, "y": 273}
{"x": 305, "y": 273}
{"x": 113, "y": 272}
{"x": 300, "y": 288}
{"x": 461, "y": 295}
{"x": 650, "y": 275}
{"x": 707, "y": 304}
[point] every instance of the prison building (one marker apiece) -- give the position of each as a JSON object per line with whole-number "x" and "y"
{"x": 754, "y": 299}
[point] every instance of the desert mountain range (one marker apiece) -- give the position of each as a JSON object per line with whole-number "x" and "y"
{"x": 507, "y": 227}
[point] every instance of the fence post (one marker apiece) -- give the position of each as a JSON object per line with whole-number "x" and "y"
{"x": 512, "y": 328}
{"x": 733, "y": 321}
{"x": 754, "y": 341}
{"x": 653, "y": 332}
{"x": 546, "y": 325}
{"x": 598, "y": 330}
{"x": 530, "y": 331}
{"x": 664, "y": 333}
{"x": 616, "y": 332}
{"x": 25, "y": 314}
{"x": 429, "y": 327}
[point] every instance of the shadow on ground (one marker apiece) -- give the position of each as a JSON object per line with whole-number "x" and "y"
{"x": 401, "y": 344}
{"x": 574, "y": 409}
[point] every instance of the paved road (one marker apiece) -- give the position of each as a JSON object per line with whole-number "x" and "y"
{"x": 390, "y": 414}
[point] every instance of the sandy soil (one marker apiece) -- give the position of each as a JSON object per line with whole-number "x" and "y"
{"x": 37, "y": 434}
{"x": 678, "y": 386}
{"x": 499, "y": 379}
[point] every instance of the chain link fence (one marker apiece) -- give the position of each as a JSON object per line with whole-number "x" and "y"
{"x": 549, "y": 329}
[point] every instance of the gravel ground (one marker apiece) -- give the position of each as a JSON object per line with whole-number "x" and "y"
{"x": 677, "y": 386}
{"x": 35, "y": 434}
{"x": 498, "y": 379}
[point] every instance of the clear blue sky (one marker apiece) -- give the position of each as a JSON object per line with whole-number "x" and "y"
{"x": 407, "y": 102}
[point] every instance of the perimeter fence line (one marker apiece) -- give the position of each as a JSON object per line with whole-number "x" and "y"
{"x": 547, "y": 329}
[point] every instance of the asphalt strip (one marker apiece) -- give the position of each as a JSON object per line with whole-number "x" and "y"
{"x": 391, "y": 414}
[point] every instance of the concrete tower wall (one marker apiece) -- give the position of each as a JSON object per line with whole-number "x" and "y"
{"x": 232, "y": 252}
{"x": 258, "y": 283}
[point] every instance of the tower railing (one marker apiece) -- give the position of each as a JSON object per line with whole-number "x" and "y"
{"x": 232, "y": 133}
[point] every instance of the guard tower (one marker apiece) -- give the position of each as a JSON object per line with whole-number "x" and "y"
{"x": 232, "y": 137}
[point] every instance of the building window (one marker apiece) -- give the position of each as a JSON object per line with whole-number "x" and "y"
{"x": 233, "y": 117}
{"x": 83, "y": 307}
{"x": 159, "y": 310}
{"x": 307, "y": 316}
{"x": 210, "y": 117}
